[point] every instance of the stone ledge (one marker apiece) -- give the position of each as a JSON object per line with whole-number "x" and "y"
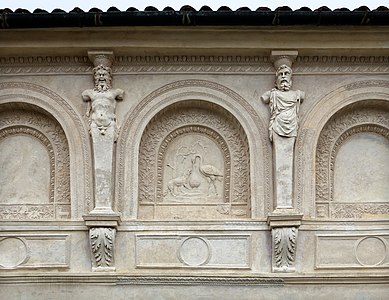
{"x": 102, "y": 220}
{"x": 284, "y": 219}
{"x": 223, "y": 279}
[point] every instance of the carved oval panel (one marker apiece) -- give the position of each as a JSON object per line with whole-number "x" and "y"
{"x": 194, "y": 251}
{"x": 371, "y": 251}
{"x": 13, "y": 252}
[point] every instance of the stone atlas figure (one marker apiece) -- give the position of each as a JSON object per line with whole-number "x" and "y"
{"x": 103, "y": 101}
{"x": 102, "y": 220}
{"x": 284, "y": 105}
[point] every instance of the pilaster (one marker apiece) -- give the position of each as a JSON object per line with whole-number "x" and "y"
{"x": 102, "y": 220}
{"x": 283, "y": 126}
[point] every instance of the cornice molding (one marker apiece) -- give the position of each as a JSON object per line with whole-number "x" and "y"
{"x": 222, "y": 280}
{"x": 188, "y": 64}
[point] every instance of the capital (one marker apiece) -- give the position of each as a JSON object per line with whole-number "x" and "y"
{"x": 283, "y": 57}
{"x": 104, "y": 58}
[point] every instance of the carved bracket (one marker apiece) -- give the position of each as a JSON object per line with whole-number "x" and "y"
{"x": 102, "y": 242}
{"x": 104, "y": 58}
{"x": 284, "y": 242}
{"x": 283, "y": 57}
{"x": 284, "y": 228}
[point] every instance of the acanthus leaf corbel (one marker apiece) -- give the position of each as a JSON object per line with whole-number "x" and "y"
{"x": 284, "y": 230}
{"x": 102, "y": 232}
{"x": 102, "y": 241}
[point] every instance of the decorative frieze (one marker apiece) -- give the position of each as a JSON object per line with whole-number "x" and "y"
{"x": 358, "y": 210}
{"x": 227, "y": 64}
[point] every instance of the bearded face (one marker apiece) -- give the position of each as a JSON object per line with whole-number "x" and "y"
{"x": 102, "y": 78}
{"x": 284, "y": 78}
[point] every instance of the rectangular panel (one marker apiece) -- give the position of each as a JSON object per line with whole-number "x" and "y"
{"x": 351, "y": 251}
{"x": 34, "y": 251}
{"x": 193, "y": 251}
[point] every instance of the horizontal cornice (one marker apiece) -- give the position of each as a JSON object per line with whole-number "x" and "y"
{"x": 188, "y": 64}
{"x": 222, "y": 279}
{"x": 195, "y": 41}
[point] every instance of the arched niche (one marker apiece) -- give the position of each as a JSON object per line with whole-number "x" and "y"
{"x": 361, "y": 165}
{"x": 28, "y": 167}
{"x": 352, "y": 162}
{"x": 337, "y": 98}
{"x": 49, "y": 119}
{"x": 194, "y": 164}
{"x": 216, "y": 97}
{"x": 35, "y": 172}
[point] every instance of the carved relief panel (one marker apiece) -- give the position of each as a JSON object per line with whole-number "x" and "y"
{"x": 34, "y": 160}
{"x": 352, "y": 161}
{"x": 194, "y": 164}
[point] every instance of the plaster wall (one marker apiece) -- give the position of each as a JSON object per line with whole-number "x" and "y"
{"x": 215, "y": 248}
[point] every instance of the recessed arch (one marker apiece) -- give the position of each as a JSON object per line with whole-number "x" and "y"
{"x": 35, "y": 97}
{"x": 364, "y": 93}
{"x": 25, "y": 150}
{"x": 139, "y": 117}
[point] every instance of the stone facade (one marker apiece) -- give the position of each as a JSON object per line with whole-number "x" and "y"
{"x": 137, "y": 163}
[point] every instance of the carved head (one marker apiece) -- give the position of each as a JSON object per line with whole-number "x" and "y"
{"x": 284, "y": 78}
{"x": 103, "y": 78}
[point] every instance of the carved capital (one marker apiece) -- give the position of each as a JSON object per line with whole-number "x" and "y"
{"x": 102, "y": 243}
{"x": 283, "y": 57}
{"x": 104, "y": 58}
{"x": 284, "y": 242}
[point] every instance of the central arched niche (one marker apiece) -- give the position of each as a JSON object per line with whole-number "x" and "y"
{"x": 194, "y": 164}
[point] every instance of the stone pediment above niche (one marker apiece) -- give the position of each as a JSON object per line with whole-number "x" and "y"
{"x": 194, "y": 164}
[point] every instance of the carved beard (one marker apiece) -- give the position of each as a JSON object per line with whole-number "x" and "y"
{"x": 102, "y": 86}
{"x": 284, "y": 86}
